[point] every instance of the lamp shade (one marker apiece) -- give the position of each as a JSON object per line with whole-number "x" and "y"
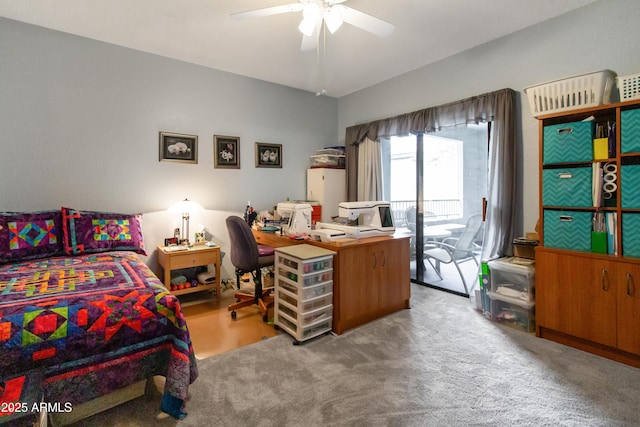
{"x": 186, "y": 206}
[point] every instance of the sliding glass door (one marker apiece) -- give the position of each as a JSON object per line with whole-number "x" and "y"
{"x": 436, "y": 184}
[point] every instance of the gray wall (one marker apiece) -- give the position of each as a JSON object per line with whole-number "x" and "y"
{"x": 603, "y": 35}
{"x": 80, "y": 122}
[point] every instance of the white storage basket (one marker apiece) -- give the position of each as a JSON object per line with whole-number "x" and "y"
{"x": 629, "y": 87}
{"x": 583, "y": 91}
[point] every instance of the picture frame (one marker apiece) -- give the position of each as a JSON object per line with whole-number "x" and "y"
{"x": 226, "y": 152}
{"x": 178, "y": 147}
{"x": 268, "y": 155}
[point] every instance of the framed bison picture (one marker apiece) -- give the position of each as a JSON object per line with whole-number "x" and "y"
{"x": 226, "y": 152}
{"x": 268, "y": 155}
{"x": 177, "y": 147}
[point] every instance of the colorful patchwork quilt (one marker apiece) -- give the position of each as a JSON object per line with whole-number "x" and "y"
{"x": 75, "y": 328}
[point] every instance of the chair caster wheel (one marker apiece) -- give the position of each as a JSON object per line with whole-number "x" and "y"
{"x": 233, "y": 315}
{"x": 265, "y": 318}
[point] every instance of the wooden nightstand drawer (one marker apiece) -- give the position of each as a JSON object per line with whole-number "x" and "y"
{"x": 192, "y": 259}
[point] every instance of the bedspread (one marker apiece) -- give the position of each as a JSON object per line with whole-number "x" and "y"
{"x": 78, "y": 327}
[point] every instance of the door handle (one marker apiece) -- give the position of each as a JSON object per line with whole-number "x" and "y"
{"x": 605, "y": 280}
{"x": 630, "y": 284}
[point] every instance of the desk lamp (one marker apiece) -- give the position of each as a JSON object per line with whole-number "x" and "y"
{"x": 186, "y": 207}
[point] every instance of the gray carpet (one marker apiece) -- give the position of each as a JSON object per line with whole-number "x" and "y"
{"x": 441, "y": 363}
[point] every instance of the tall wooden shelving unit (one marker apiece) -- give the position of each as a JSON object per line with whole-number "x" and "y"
{"x": 587, "y": 300}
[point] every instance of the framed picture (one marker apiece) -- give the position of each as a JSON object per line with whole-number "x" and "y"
{"x": 177, "y": 147}
{"x": 226, "y": 152}
{"x": 268, "y": 155}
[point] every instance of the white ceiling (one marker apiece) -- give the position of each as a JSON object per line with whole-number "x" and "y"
{"x": 268, "y": 48}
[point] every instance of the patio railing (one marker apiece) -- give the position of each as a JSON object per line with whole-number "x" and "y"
{"x": 436, "y": 209}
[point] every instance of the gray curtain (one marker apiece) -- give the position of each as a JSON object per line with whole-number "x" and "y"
{"x": 498, "y": 107}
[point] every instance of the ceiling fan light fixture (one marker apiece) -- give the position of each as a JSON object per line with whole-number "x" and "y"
{"x": 333, "y": 18}
{"x": 307, "y": 26}
{"x": 310, "y": 16}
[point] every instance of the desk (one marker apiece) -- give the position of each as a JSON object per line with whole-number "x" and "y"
{"x": 371, "y": 276}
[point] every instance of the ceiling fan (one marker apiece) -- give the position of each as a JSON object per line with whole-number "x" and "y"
{"x": 316, "y": 12}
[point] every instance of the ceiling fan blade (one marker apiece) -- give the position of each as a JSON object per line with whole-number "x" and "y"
{"x": 366, "y": 22}
{"x": 311, "y": 42}
{"x": 268, "y": 11}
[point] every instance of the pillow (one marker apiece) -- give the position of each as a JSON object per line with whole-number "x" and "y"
{"x": 25, "y": 236}
{"x": 91, "y": 232}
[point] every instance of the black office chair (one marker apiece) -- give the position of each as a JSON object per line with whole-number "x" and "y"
{"x": 249, "y": 257}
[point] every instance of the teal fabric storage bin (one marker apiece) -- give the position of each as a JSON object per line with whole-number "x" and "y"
{"x": 630, "y": 232}
{"x": 568, "y": 142}
{"x": 567, "y": 187}
{"x": 630, "y": 186}
{"x": 567, "y": 230}
{"x": 630, "y": 131}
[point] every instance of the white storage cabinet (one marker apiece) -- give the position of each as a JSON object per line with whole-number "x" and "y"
{"x": 304, "y": 291}
{"x": 327, "y": 187}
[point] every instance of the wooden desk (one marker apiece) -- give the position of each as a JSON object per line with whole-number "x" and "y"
{"x": 371, "y": 276}
{"x": 195, "y": 256}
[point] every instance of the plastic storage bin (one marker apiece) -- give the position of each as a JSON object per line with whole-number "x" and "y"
{"x": 582, "y": 91}
{"x": 512, "y": 280}
{"x": 630, "y": 131}
{"x": 567, "y": 187}
{"x": 327, "y": 160}
{"x": 567, "y": 230}
{"x": 568, "y": 142}
{"x": 629, "y": 87}
{"x": 513, "y": 312}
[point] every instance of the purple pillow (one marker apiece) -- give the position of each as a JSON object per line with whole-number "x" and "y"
{"x": 91, "y": 232}
{"x": 25, "y": 236}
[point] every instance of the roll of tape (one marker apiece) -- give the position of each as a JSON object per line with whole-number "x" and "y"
{"x": 609, "y": 177}
{"x": 610, "y": 168}
{"x": 609, "y": 187}
{"x": 607, "y": 196}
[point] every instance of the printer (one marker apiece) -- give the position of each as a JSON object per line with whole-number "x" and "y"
{"x": 296, "y": 217}
{"x": 357, "y": 220}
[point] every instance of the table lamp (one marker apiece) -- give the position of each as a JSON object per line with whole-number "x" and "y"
{"x": 186, "y": 207}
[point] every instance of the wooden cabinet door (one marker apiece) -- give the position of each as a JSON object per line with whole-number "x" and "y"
{"x": 357, "y": 295}
{"x": 393, "y": 275}
{"x": 576, "y": 295}
{"x": 628, "y": 286}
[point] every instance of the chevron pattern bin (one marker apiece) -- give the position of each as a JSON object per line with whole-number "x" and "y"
{"x": 567, "y": 187}
{"x": 567, "y": 230}
{"x": 630, "y": 131}
{"x": 568, "y": 142}
{"x": 630, "y": 185}
{"x": 630, "y": 231}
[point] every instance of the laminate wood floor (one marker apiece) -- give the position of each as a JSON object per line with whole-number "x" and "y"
{"x": 214, "y": 332}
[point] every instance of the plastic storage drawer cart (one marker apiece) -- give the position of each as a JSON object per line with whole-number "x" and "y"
{"x": 568, "y": 142}
{"x": 567, "y": 187}
{"x": 304, "y": 291}
{"x": 567, "y": 230}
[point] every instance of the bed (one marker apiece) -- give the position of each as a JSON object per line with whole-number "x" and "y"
{"x": 82, "y": 316}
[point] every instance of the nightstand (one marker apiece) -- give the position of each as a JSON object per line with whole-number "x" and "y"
{"x": 195, "y": 256}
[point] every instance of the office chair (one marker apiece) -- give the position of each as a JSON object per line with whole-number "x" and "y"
{"x": 456, "y": 250}
{"x": 249, "y": 257}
